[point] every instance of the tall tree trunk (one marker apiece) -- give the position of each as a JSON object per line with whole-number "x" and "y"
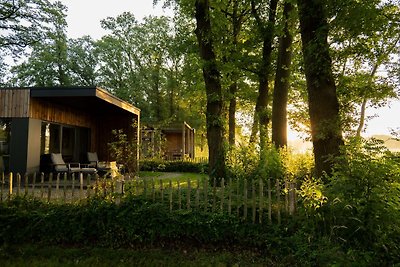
{"x": 254, "y": 128}
{"x": 211, "y": 74}
{"x": 237, "y": 19}
{"x": 322, "y": 98}
{"x": 267, "y": 33}
{"x": 281, "y": 87}
{"x": 232, "y": 112}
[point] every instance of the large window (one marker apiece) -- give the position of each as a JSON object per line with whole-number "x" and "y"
{"x": 5, "y": 134}
{"x": 71, "y": 142}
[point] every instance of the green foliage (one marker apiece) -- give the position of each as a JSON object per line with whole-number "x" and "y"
{"x": 297, "y": 165}
{"x": 24, "y": 22}
{"x": 125, "y": 151}
{"x": 312, "y": 195}
{"x": 242, "y": 161}
{"x": 363, "y": 198}
{"x": 173, "y": 166}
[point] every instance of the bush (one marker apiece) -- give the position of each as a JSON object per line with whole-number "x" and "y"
{"x": 173, "y": 166}
{"x": 363, "y": 193}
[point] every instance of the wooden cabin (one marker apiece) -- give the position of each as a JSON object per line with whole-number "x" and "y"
{"x": 173, "y": 142}
{"x": 68, "y": 120}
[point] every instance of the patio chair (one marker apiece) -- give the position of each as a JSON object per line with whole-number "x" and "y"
{"x": 94, "y": 162}
{"x": 59, "y": 165}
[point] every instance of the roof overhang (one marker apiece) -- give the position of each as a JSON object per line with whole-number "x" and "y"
{"x": 84, "y": 98}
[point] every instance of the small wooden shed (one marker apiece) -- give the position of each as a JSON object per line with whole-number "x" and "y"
{"x": 72, "y": 121}
{"x": 173, "y": 142}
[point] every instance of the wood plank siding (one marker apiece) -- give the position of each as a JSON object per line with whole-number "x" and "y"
{"x": 14, "y": 103}
{"x": 51, "y": 112}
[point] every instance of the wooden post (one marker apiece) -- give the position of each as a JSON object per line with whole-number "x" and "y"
{"x": 136, "y": 183}
{"x": 2, "y": 187}
{"x": 153, "y": 189}
{"x": 81, "y": 186}
{"x": 10, "y": 191}
{"x": 189, "y": 189}
{"x": 73, "y": 186}
{"x": 26, "y": 188}
{"x": 49, "y": 187}
{"x": 162, "y": 190}
{"x": 58, "y": 185}
{"x": 33, "y": 184}
{"x": 205, "y": 194}
{"x": 65, "y": 187}
{"x": 286, "y": 196}
{"x": 119, "y": 184}
{"x": 179, "y": 196}
{"x": 238, "y": 198}
{"x": 291, "y": 198}
{"x": 230, "y": 196}
{"x": 278, "y": 200}
{"x": 245, "y": 199}
{"x": 222, "y": 194}
{"x": 260, "y": 213}
{"x": 253, "y": 195}
{"x": 269, "y": 201}
{"x": 145, "y": 187}
{"x": 18, "y": 183}
{"x": 170, "y": 195}
{"x": 96, "y": 186}
{"x": 183, "y": 140}
{"x": 214, "y": 195}
{"x": 41, "y": 185}
{"x": 88, "y": 184}
{"x": 197, "y": 194}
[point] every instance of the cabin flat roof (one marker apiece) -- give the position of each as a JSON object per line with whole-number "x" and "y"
{"x": 74, "y": 92}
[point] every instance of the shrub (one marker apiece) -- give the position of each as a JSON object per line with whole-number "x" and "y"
{"x": 173, "y": 166}
{"x": 242, "y": 161}
{"x": 363, "y": 195}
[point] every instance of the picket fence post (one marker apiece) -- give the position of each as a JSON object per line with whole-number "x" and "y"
{"x": 33, "y": 184}
{"x": 260, "y": 213}
{"x": 2, "y": 187}
{"x": 10, "y": 192}
{"x": 65, "y": 188}
{"x": 18, "y": 183}
{"x": 170, "y": 195}
{"x": 189, "y": 189}
{"x": 49, "y": 186}
{"x": 41, "y": 185}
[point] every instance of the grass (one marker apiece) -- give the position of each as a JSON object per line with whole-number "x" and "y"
{"x": 34, "y": 255}
{"x": 174, "y": 177}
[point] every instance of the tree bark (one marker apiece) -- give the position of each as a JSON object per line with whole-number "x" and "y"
{"x": 237, "y": 19}
{"x": 322, "y": 98}
{"x": 281, "y": 87}
{"x": 211, "y": 74}
{"x": 232, "y": 112}
{"x": 267, "y": 33}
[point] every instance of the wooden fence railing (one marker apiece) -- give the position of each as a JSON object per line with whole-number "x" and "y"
{"x": 255, "y": 200}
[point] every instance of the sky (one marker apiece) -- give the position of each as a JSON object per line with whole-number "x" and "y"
{"x": 84, "y": 18}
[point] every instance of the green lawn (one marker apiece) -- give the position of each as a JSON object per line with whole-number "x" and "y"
{"x": 64, "y": 256}
{"x": 182, "y": 177}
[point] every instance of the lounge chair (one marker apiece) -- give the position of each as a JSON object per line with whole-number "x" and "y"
{"x": 60, "y": 166}
{"x": 94, "y": 162}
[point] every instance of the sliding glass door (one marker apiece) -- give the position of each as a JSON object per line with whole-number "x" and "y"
{"x": 72, "y": 142}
